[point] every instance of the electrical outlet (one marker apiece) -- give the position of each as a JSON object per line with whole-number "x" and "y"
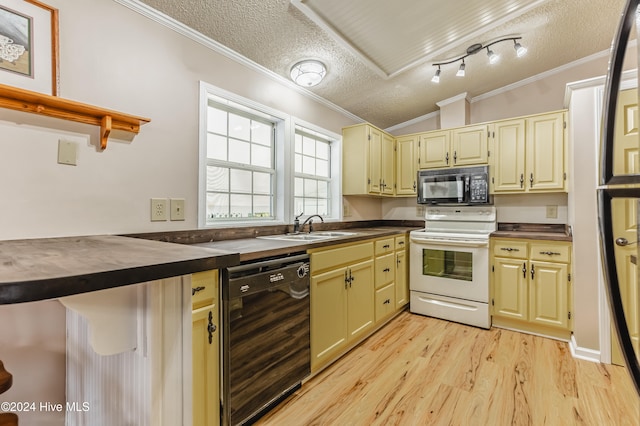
{"x": 420, "y": 211}
{"x": 158, "y": 209}
{"x": 67, "y": 152}
{"x": 552, "y": 212}
{"x": 346, "y": 210}
{"x": 177, "y": 209}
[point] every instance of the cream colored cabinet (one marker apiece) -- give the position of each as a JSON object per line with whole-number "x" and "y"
{"x": 529, "y": 154}
{"x": 384, "y": 278}
{"x": 205, "y": 348}
{"x": 406, "y": 165}
{"x": 376, "y": 174}
{"x": 464, "y": 146}
{"x": 402, "y": 271}
{"x": 342, "y": 299}
{"x": 530, "y": 286}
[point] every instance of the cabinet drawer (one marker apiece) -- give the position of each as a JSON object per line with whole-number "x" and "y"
{"x": 332, "y": 258}
{"x": 401, "y": 242}
{"x": 204, "y": 286}
{"x": 510, "y": 249}
{"x": 385, "y": 301}
{"x": 385, "y": 270}
{"x": 550, "y": 252}
{"x": 384, "y": 246}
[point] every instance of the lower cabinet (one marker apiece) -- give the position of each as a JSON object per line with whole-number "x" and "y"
{"x": 205, "y": 348}
{"x": 530, "y": 285}
{"x": 402, "y": 271}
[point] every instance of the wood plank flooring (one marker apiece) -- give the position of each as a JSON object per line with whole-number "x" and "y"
{"x": 424, "y": 371}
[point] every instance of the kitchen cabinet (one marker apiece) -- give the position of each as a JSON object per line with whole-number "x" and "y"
{"x": 342, "y": 299}
{"x": 464, "y": 146}
{"x": 384, "y": 278}
{"x": 529, "y": 154}
{"x": 406, "y": 165}
{"x": 402, "y": 271}
{"x": 376, "y": 174}
{"x": 530, "y": 286}
{"x": 205, "y": 348}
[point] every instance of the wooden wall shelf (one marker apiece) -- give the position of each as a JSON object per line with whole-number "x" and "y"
{"x": 54, "y": 106}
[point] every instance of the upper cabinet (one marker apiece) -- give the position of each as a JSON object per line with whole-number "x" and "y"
{"x": 464, "y": 146}
{"x": 376, "y": 174}
{"x": 529, "y": 154}
{"x": 406, "y": 165}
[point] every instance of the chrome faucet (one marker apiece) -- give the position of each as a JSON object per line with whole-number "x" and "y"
{"x": 297, "y": 226}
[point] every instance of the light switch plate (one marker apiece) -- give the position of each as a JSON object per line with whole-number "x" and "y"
{"x": 177, "y": 209}
{"x": 158, "y": 209}
{"x": 67, "y": 152}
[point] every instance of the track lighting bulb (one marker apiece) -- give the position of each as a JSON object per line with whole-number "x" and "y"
{"x": 460, "y": 72}
{"x": 493, "y": 58}
{"x": 436, "y": 76}
{"x": 520, "y": 50}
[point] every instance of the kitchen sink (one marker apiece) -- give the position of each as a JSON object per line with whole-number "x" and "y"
{"x": 315, "y": 236}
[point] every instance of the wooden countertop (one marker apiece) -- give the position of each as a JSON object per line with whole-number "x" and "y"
{"x": 259, "y": 248}
{"x": 533, "y": 231}
{"x": 39, "y": 269}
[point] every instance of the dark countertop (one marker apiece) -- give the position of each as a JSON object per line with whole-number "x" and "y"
{"x": 259, "y": 248}
{"x": 534, "y": 231}
{"x": 39, "y": 269}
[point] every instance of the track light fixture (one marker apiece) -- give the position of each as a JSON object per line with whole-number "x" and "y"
{"x": 475, "y": 48}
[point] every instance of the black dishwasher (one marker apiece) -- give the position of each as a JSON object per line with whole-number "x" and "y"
{"x": 266, "y": 341}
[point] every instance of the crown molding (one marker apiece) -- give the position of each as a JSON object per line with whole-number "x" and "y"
{"x": 412, "y": 121}
{"x": 217, "y": 47}
{"x": 451, "y": 100}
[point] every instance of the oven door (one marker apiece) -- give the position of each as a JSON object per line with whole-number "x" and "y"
{"x": 458, "y": 269}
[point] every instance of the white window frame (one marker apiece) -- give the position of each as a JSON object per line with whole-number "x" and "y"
{"x": 283, "y": 197}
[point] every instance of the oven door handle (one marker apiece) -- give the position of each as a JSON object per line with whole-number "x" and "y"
{"x": 439, "y": 242}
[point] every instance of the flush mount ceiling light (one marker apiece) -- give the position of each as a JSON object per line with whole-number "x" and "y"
{"x": 475, "y": 48}
{"x": 308, "y": 73}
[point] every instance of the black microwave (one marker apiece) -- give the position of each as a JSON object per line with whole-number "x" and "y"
{"x": 461, "y": 186}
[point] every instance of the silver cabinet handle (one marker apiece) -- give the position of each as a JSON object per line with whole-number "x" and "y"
{"x": 509, "y": 249}
{"x": 524, "y": 270}
{"x": 533, "y": 271}
{"x": 550, "y": 253}
{"x": 521, "y": 180}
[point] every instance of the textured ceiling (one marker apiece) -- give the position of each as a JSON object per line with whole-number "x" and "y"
{"x": 380, "y": 70}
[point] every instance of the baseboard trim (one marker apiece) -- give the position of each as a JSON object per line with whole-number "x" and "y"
{"x": 583, "y": 353}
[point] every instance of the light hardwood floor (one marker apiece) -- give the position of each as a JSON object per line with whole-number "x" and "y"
{"x": 422, "y": 371}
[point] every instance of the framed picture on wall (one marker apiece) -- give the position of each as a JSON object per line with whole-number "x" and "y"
{"x": 29, "y": 45}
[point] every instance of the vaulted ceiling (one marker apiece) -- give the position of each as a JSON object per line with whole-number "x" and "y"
{"x": 379, "y": 53}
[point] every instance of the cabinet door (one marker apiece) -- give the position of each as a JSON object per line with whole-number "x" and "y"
{"x": 385, "y": 302}
{"x": 545, "y": 152}
{"x": 375, "y": 157}
{"x": 387, "y": 165}
{"x": 206, "y": 398}
{"x": 510, "y": 288}
{"x": 385, "y": 270}
{"x": 469, "y": 145}
{"x": 509, "y": 153}
{"x": 434, "y": 150}
{"x": 548, "y": 298}
{"x": 360, "y": 310}
{"x": 406, "y": 165}
{"x": 328, "y": 315}
{"x": 402, "y": 284}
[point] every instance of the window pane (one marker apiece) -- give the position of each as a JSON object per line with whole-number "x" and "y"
{"x": 299, "y": 187}
{"x": 323, "y": 189}
{"x": 298, "y": 163}
{"x": 310, "y": 188}
{"x": 261, "y": 183}
{"x": 216, "y": 147}
{"x": 239, "y": 127}
{"x": 240, "y": 205}
{"x": 261, "y": 206}
{"x": 308, "y": 165}
{"x": 239, "y": 151}
{"x": 322, "y": 150}
{"x": 298, "y": 206}
{"x": 217, "y": 179}
{"x": 261, "y": 133}
{"x": 216, "y": 120}
{"x": 323, "y": 207}
{"x": 308, "y": 146}
{"x": 322, "y": 168}
{"x": 240, "y": 181}
{"x": 261, "y": 156}
{"x": 217, "y": 206}
{"x": 298, "y": 147}
{"x": 310, "y": 206}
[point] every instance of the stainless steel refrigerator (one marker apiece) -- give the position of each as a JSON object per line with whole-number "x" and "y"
{"x": 617, "y": 186}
